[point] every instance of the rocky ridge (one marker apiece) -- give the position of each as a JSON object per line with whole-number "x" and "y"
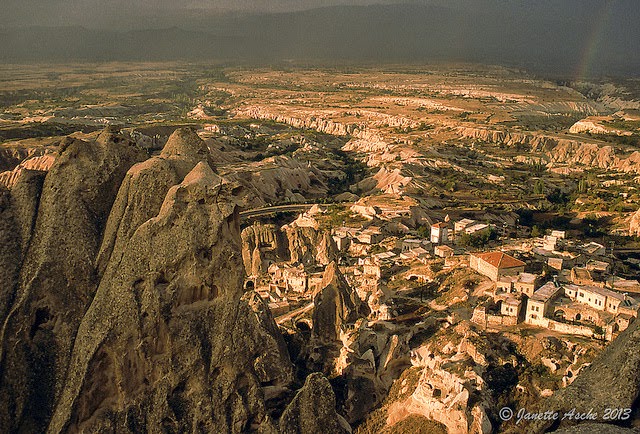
{"x": 560, "y": 150}
{"x": 148, "y": 327}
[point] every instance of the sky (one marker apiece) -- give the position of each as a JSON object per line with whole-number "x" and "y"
{"x": 96, "y": 12}
{"x": 578, "y": 37}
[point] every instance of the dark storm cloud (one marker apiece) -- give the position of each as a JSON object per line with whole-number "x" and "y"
{"x": 571, "y": 37}
{"x": 95, "y": 12}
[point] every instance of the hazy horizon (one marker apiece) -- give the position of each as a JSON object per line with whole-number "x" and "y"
{"x": 576, "y": 38}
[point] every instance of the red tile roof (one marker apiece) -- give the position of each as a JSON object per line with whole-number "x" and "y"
{"x": 439, "y": 225}
{"x": 500, "y": 260}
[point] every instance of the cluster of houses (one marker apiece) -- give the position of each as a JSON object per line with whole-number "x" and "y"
{"x": 564, "y": 287}
{"x": 570, "y": 302}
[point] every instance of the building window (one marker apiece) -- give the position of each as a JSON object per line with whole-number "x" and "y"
{"x": 582, "y": 294}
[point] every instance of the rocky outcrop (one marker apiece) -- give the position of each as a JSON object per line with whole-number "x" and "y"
{"x": 611, "y": 381}
{"x": 41, "y": 163}
{"x": 559, "y": 149}
{"x": 10, "y": 253}
{"x": 179, "y": 314}
{"x": 149, "y": 330}
{"x": 299, "y": 242}
{"x": 391, "y": 181}
{"x": 318, "y": 121}
{"x": 144, "y": 188}
{"x": 594, "y": 125}
{"x": 261, "y": 244}
{"x": 634, "y": 225}
{"x": 308, "y": 245}
{"x": 335, "y": 305}
{"x": 280, "y": 179}
{"x": 57, "y": 277}
{"x": 18, "y": 211}
{"x": 369, "y": 361}
{"x": 313, "y": 410}
{"x": 14, "y": 153}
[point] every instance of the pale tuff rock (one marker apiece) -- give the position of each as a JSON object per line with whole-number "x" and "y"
{"x": 370, "y": 360}
{"x": 336, "y": 305}
{"x": 13, "y": 153}
{"x": 308, "y": 245}
{"x": 261, "y": 244}
{"x": 41, "y": 163}
{"x": 299, "y": 242}
{"x": 594, "y": 125}
{"x": 443, "y": 397}
{"x": 559, "y": 150}
{"x": 280, "y": 179}
{"x": 611, "y": 381}
{"x": 391, "y": 181}
{"x": 634, "y": 224}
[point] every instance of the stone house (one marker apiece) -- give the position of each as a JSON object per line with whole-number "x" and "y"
{"x": 540, "y": 304}
{"x": 596, "y": 297}
{"x": 461, "y": 225}
{"x": 511, "y": 307}
{"x": 342, "y": 242}
{"x": 581, "y": 276}
{"x": 440, "y": 233}
{"x": 371, "y": 269}
{"x": 523, "y": 283}
{"x": 370, "y": 235}
{"x": 495, "y": 264}
{"x": 410, "y": 244}
{"x": 443, "y": 251}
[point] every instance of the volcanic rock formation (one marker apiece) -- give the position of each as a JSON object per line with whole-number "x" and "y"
{"x": 123, "y": 283}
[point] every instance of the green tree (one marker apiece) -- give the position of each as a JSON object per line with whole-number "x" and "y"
{"x": 538, "y": 187}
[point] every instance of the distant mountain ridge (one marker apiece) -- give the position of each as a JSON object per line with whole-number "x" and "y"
{"x": 588, "y": 37}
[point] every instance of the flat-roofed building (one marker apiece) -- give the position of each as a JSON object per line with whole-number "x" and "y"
{"x": 540, "y": 303}
{"x": 596, "y": 297}
{"x": 461, "y": 225}
{"x": 440, "y": 233}
{"x": 510, "y": 307}
{"x": 443, "y": 251}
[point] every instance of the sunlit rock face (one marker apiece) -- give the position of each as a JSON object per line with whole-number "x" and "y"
{"x": 126, "y": 305}
{"x": 57, "y": 279}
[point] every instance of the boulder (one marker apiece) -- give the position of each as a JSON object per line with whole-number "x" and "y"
{"x": 313, "y": 410}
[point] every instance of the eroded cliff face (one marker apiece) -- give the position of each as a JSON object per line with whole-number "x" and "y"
{"x": 612, "y": 381}
{"x": 309, "y": 245}
{"x": 299, "y": 242}
{"x": 560, "y": 150}
{"x": 181, "y": 349}
{"x": 262, "y": 243}
{"x": 57, "y": 278}
{"x": 123, "y": 283}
